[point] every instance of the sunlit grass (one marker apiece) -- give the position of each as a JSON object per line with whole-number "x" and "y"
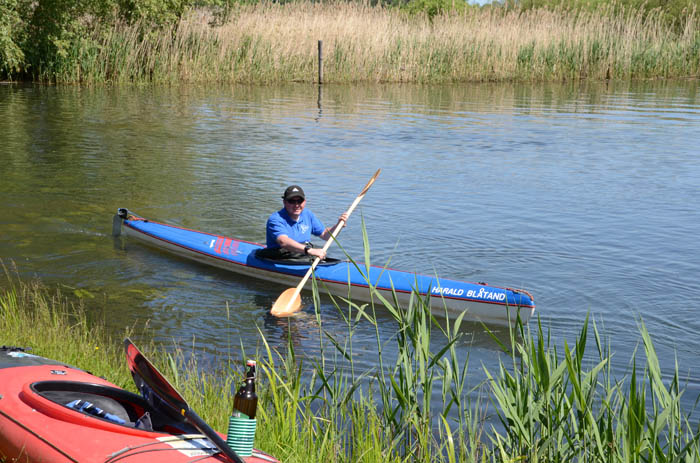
{"x": 548, "y": 404}
{"x": 271, "y": 42}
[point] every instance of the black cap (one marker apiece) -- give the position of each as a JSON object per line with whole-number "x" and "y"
{"x": 293, "y": 191}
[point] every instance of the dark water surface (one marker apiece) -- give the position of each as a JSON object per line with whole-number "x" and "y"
{"x": 587, "y": 196}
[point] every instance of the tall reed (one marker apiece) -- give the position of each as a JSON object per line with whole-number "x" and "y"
{"x": 270, "y": 42}
{"x": 557, "y": 407}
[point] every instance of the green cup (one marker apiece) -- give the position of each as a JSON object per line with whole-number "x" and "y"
{"x": 241, "y": 434}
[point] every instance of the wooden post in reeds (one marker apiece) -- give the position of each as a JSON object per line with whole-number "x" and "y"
{"x": 320, "y": 62}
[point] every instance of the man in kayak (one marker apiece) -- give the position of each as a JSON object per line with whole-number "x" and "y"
{"x": 289, "y": 229}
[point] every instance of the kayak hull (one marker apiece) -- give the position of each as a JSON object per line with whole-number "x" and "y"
{"x": 38, "y": 425}
{"x": 481, "y": 302}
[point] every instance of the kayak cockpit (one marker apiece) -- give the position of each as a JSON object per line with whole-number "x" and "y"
{"x": 98, "y": 405}
{"x": 290, "y": 258}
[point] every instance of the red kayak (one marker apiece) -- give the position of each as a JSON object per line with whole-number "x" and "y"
{"x": 54, "y": 413}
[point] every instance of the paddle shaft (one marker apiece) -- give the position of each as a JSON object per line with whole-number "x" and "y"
{"x": 212, "y": 435}
{"x": 335, "y": 233}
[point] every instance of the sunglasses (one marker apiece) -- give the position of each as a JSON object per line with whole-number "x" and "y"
{"x": 295, "y": 201}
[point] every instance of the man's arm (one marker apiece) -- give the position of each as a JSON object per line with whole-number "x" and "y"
{"x": 292, "y": 245}
{"x": 289, "y": 244}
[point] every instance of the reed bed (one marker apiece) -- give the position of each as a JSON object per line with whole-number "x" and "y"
{"x": 271, "y": 43}
{"x": 547, "y": 405}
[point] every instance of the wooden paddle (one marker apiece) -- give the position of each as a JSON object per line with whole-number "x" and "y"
{"x": 289, "y": 302}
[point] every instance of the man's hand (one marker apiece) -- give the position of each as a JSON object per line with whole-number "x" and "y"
{"x": 317, "y": 253}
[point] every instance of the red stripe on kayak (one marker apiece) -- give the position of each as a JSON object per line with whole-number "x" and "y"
{"x": 219, "y": 242}
{"x": 227, "y": 243}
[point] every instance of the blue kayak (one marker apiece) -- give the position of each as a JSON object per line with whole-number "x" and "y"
{"x": 480, "y": 301}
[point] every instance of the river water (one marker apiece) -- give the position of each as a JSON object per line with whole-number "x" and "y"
{"x": 585, "y": 195}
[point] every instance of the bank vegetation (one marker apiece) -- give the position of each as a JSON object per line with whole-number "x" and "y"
{"x": 416, "y": 404}
{"x": 423, "y": 41}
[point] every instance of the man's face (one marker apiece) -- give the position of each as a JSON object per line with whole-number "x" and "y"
{"x": 294, "y": 205}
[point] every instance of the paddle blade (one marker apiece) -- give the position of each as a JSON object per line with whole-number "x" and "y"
{"x": 371, "y": 181}
{"x": 287, "y": 304}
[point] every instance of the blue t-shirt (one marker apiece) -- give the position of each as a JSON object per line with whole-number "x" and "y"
{"x": 280, "y": 224}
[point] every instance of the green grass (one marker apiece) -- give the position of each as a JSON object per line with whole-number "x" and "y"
{"x": 549, "y": 404}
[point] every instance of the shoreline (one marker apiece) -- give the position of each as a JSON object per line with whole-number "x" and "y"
{"x": 278, "y": 43}
{"x": 369, "y": 418}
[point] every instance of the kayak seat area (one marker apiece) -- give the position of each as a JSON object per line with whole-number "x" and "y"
{"x": 290, "y": 258}
{"x": 116, "y": 405}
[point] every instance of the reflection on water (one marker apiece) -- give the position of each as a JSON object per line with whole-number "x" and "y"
{"x": 584, "y": 194}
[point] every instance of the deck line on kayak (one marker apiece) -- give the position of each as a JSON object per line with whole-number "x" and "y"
{"x": 38, "y": 436}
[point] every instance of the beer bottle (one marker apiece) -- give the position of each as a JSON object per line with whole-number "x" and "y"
{"x": 246, "y": 401}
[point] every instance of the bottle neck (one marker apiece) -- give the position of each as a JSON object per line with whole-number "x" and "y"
{"x": 249, "y": 385}
{"x": 251, "y": 369}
